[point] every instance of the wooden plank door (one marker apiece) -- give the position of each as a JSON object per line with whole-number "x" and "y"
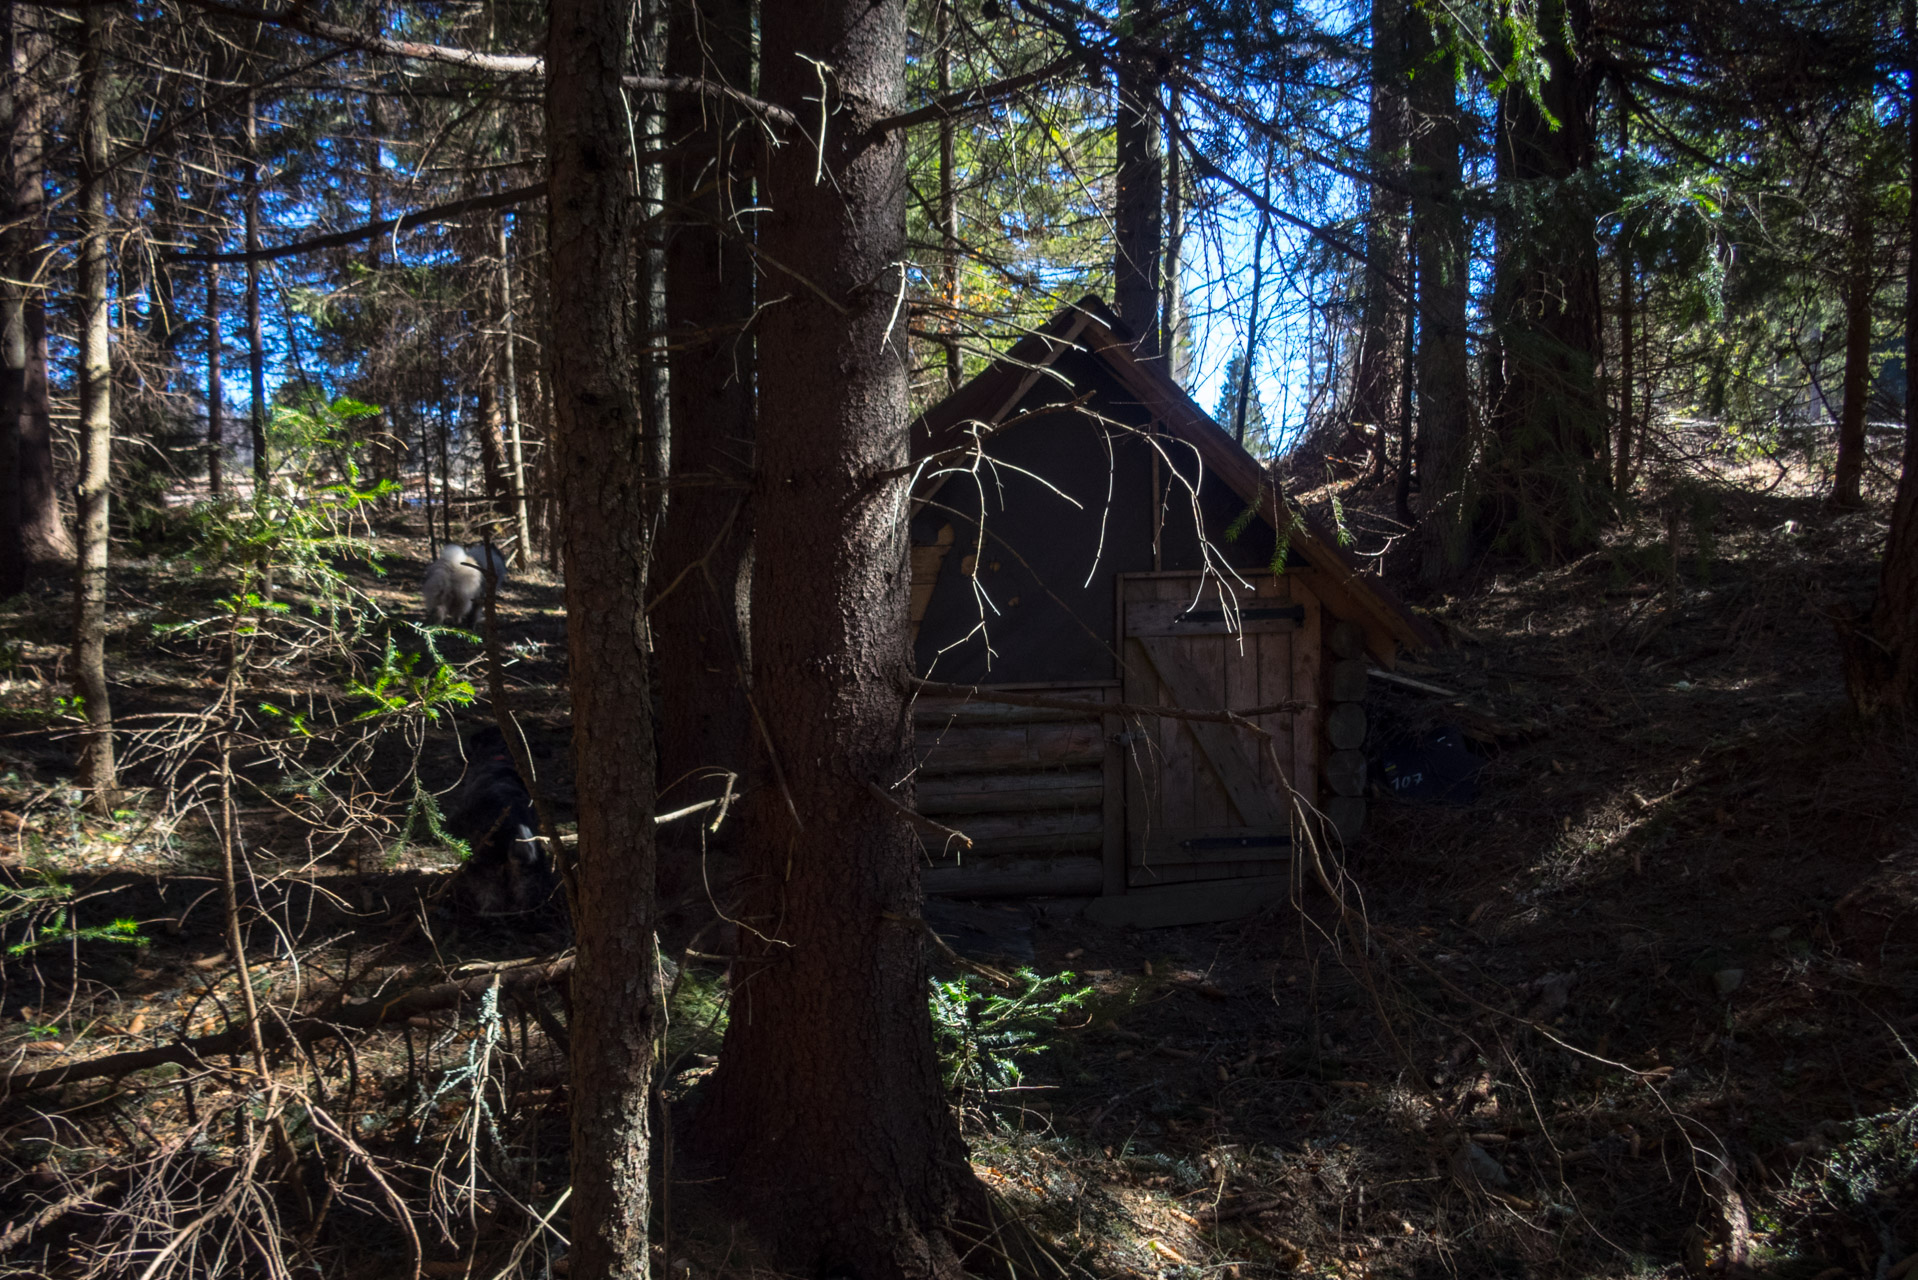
{"x": 1202, "y": 799}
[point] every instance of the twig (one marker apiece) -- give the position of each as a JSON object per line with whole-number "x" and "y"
{"x": 973, "y": 99}
{"x": 16, "y": 1235}
{"x": 944, "y": 948}
{"x": 540, "y": 1224}
{"x": 333, "y": 1021}
{"x": 1395, "y": 678}
{"x": 918, "y": 819}
{"x": 327, "y": 1123}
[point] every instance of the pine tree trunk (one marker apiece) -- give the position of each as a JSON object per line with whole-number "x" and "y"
{"x": 215, "y": 386}
{"x": 486, "y": 412}
{"x": 828, "y": 1113}
{"x": 34, "y": 540}
{"x": 1551, "y": 426}
{"x": 1442, "y": 291}
{"x": 255, "y": 334}
{"x": 1381, "y": 351}
{"x": 482, "y": 371}
{"x": 1627, "y": 375}
{"x": 1178, "y": 349}
{"x": 648, "y": 339}
{"x": 1139, "y": 204}
{"x": 509, "y": 386}
{"x": 1881, "y": 663}
{"x": 699, "y": 619}
{"x": 602, "y": 460}
{"x": 948, "y": 201}
{"x": 97, "y": 772}
{"x": 1847, "y": 483}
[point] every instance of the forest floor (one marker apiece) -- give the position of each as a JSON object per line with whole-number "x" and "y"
{"x": 1643, "y": 1008}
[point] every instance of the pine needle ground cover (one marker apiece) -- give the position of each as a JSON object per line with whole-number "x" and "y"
{"x": 1643, "y": 1008}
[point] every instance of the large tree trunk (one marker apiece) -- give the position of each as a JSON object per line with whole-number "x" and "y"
{"x": 33, "y": 537}
{"x": 1381, "y": 350}
{"x": 699, "y": 619}
{"x": 602, "y": 474}
{"x": 1881, "y": 663}
{"x": 1139, "y": 200}
{"x": 1847, "y": 483}
{"x": 827, "y": 1113}
{"x": 1442, "y": 289}
{"x": 1550, "y": 428}
{"x": 96, "y": 425}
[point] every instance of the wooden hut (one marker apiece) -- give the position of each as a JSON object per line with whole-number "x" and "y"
{"x": 1084, "y": 533}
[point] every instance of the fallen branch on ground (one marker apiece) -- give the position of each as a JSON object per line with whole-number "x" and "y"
{"x": 335, "y": 1019}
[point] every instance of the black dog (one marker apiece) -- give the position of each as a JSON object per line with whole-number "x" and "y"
{"x": 510, "y": 872}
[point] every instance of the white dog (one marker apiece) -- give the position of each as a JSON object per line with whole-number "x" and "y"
{"x": 455, "y": 586}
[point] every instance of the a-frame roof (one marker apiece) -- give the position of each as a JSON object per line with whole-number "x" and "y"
{"x": 1088, "y": 326}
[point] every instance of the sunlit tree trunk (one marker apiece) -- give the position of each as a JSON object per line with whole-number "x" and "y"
{"x": 827, "y": 1112}
{"x": 948, "y": 200}
{"x": 1178, "y": 348}
{"x": 602, "y": 472}
{"x": 97, "y": 772}
{"x": 1847, "y": 483}
{"x": 509, "y": 388}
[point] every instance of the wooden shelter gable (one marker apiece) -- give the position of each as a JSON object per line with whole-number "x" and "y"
{"x": 1089, "y": 331}
{"x": 1031, "y": 537}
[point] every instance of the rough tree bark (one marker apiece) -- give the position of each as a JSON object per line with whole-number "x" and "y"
{"x": 601, "y": 474}
{"x": 1172, "y": 316}
{"x": 648, "y": 258}
{"x": 1442, "y": 288}
{"x": 1550, "y": 427}
{"x": 1138, "y": 234}
{"x": 827, "y": 1112}
{"x": 97, "y": 774}
{"x": 34, "y": 540}
{"x": 1382, "y": 354}
{"x": 486, "y": 416}
{"x": 704, "y": 553}
{"x": 1848, "y": 480}
{"x": 483, "y": 373}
